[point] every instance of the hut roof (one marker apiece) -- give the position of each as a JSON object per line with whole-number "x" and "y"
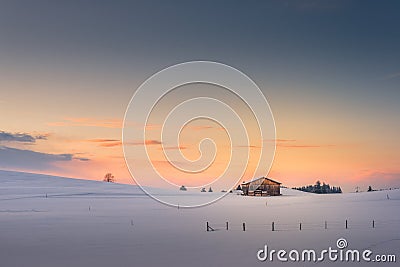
{"x": 264, "y": 178}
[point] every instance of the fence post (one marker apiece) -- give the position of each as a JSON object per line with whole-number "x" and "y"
{"x": 227, "y": 226}
{"x": 373, "y": 223}
{"x": 273, "y": 226}
{"x": 209, "y": 228}
{"x": 244, "y": 227}
{"x": 326, "y": 225}
{"x": 346, "y": 224}
{"x": 300, "y": 226}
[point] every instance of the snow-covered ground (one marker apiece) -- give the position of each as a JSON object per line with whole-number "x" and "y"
{"x": 88, "y": 223}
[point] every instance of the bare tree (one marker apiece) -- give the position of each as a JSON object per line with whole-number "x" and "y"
{"x": 109, "y": 178}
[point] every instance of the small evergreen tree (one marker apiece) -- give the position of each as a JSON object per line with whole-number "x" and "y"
{"x": 317, "y": 187}
{"x": 324, "y": 188}
{"x": 369, "y": 188}
{"x": 183, "y": 188}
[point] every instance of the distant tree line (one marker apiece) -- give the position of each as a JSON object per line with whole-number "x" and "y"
{"x": 319, "y": 188}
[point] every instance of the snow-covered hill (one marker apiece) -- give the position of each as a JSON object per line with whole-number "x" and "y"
{"x": 19, "y": 184}
{"x": 89, "y": 223}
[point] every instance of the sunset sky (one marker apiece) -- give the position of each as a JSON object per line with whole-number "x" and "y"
{"x": 329, "y": 69}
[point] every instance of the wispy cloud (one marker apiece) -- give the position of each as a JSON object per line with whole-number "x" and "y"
{"x": 250, "y": 146}
{"x": 21, "y": 137}
{"x": 392, "y": 76}
{"x": 111, "y": 144}
{"x": 151, "y": 127}
{"x": 88, "y": 122}
{"x": 280, "y": 140}
{"x": 173, "y": 148}
{"x": 106, "y": 142}
{"x": 81, "y": 158}
{"x": 147, "y": 142}
{"x": 29, "y": 159}
{"x": 285, "y": 140}
{"x": 116, "y": 142}
{"x": 102, "y": 140}
{"x": 200, "y": 127}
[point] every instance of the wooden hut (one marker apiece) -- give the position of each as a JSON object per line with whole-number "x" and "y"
{"x": 263, "y": 186}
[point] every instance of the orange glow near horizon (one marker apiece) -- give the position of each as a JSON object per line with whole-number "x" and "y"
{"x": 321, "y": 150}
{"x": 296, "y": 163}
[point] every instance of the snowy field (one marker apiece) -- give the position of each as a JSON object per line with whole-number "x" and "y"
{"x": 88, "y": 223}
